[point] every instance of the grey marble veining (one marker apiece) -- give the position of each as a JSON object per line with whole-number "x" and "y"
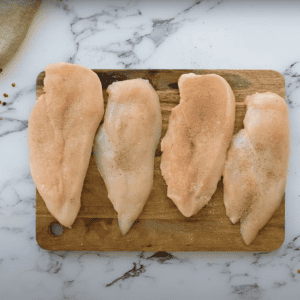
{"x": 145, "y": 34}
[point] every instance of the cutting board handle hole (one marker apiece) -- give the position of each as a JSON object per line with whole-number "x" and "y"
{"x": 56, "y": 229}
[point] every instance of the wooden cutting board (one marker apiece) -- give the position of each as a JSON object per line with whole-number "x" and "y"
{"x": 161, "y": 227}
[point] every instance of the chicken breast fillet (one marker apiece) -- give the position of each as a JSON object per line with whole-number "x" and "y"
{"x": 61, "y": 130}
{"x": 257, "y": 164}
{"x": 125, "y": 147}
{"x": 199, "y": 133}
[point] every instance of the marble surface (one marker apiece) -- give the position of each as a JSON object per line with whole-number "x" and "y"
{"x": 145, "y": 34}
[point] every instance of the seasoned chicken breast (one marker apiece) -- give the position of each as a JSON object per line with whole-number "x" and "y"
{"x": 257, "y": 163}
{"x": 125, "y": 146}
{"x": 199, "y": 133}
{"x": 61, "y": 130}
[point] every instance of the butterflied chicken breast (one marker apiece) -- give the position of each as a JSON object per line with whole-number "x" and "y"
{"x": 125, "y": 147}
{"x": 61, "y": 130}
{"x": 194, "y": 147}
{"x": 257, "y": 164}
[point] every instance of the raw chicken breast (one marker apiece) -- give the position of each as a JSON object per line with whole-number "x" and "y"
{"x": 125, "y": 146}
{"x": 257, "y": 163}
{"x": 62, "y": 127}
{"x": 194, "y": 147}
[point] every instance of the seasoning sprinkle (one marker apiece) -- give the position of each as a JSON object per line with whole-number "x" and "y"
{"x": 4, "y": 103}
{"x": 0, "y": 118}
{"x": 0, "y": 101}
{"x": 5, "y": 95}
{"x": 0, "y": 70}
{"x": 298, "y": 271}
{"x": 13, "y": 84}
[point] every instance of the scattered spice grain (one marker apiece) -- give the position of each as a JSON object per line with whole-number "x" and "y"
{"x": 0, "y": 101}
{"x": 5, "y": 95}
{"x": 4, "y": 103}
{"x": 0, "y": 70}
{"x": 13, "y": 84}
{"x": 298, "y": 271}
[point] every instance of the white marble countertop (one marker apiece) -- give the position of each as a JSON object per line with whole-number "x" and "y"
{"x": 145, "y": 34}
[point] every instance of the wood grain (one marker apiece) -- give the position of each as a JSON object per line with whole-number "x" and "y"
{"x": 161, "y": 227}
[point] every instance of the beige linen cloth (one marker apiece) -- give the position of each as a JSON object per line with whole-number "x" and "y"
{"x": 15, "y": 19}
